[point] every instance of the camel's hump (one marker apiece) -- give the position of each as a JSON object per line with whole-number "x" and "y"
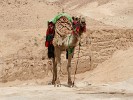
{"x": 63, "y": 26}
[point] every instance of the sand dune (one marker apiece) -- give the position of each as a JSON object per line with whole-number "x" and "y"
{"x": 118, "y": 68}
{"x": 116, "y": 13}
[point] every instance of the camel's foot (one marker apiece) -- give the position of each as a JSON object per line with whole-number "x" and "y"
{"x": 57, "y": 83}
{"x": 53, "y": 82}
{"x": 70, "y": 84}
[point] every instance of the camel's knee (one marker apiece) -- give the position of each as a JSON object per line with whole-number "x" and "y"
{"x": 68, "y": 67}
{"x": 49, "y": 67}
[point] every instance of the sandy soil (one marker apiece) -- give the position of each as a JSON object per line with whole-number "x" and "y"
{"x": 82, "y": 91}
{"x": 63, "y": 93}
{"x": 24, "y": 73}
{"x": 117, "y": 68}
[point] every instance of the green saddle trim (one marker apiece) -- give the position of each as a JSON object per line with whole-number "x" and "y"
{"x": 70, "y": 49}
{"x": 49, "y": 37}
{"x": 54, "y": 20}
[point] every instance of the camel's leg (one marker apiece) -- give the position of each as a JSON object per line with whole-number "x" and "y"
{"x": 54, "y": 71}
{"x": 58, "y": 65}
{"x": 69, "y": 69}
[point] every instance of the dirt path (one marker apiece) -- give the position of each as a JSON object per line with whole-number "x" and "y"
{"x": 49, "y": 92}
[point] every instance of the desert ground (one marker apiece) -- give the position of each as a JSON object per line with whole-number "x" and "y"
{"x": 105, "y": 69}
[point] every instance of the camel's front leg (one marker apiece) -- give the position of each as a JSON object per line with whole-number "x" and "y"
{"x": 54, "y": 71}
{"x": 69, "y": 69}
{"x": 58, "y": 65}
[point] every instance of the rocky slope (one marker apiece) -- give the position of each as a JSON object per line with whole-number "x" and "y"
{"x": 23, "y": 23}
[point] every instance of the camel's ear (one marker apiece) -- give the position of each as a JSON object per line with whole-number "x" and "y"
{"x": 83, "y": 20}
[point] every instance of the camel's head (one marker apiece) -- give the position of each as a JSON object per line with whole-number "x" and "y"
{"x": 79, "y": 25}
{"x": 82, "y": 25}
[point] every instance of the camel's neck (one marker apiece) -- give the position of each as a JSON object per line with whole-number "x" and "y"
{"x": 69, "y": 40}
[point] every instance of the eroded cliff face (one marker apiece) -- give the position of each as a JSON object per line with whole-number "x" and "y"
{"x": 23, "y": 23}
{"x": 97, "y": 46}
{"x": 100, "y": 45}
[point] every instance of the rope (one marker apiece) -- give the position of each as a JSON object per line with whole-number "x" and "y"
{"x": 90, "y": 51}
{"x": 70, "y": 50}
{"x": 76, "y": 64}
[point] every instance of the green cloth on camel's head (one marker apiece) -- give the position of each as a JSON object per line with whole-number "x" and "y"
{"x": 54, "y": 20}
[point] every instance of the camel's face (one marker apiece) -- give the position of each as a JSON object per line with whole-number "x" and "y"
{"x": 79, "y": 26}
{"x": 82, "y": 25}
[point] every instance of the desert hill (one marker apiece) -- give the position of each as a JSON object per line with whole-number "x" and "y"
{"x": 105, "y": 69}
{"x": 23, "y": 24}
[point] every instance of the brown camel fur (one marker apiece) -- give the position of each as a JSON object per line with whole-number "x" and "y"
{"x": 63, "y": 43}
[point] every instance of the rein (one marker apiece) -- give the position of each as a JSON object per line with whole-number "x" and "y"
{"x": 76, "y": 64}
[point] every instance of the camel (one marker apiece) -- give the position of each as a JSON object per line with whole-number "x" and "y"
{"x": 62, "y": 42}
